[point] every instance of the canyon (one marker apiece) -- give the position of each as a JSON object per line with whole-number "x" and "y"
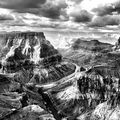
{"x": 39, "y": 82}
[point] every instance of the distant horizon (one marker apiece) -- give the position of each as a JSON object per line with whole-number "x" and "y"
{"x": 62, "y": 39}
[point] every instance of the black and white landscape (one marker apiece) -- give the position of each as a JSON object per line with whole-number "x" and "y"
{"x": 59, "y": 60}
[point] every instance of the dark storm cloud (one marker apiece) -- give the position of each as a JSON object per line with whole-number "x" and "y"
{"x": 49, "y": 12}
{"x": 107, "y": 9}
{"x": 81, "y": 16}
{"x": 105, "y": 20}
{"x": 52, "y": 10}
{"x": 21, "y": 4}
{"x": 6, "y": 17}
{"x": 46, "y": 8}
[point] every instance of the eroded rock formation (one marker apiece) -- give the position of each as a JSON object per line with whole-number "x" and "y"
{"x": 36, "y": 83}
{"x": 28, "y": 48}
{"x": 29, "y": 66}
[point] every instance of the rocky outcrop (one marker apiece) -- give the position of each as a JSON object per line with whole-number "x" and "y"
{"x": 28, "y": 48}
{"x": 9, "y": 103}
{"x": 7, "y": 83}
{"x": 104, "y": 111}
{"x": 92, "y": 45}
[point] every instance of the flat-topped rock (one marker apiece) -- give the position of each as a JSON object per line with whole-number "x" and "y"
{"x": 28, "y": 46}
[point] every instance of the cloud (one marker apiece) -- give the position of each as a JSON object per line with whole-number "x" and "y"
{"x": 12, "y": 20}
{"x": 21, "y": 4}
{"x": 47, "y": 8}
{"x": 75, "y": 1}
{"x": 53, "y": 9}
{"x": 61, "y": 15}
{"x": 4, "y": 17}
{"x": 17, "y": 23}
{"x": 105, "y": 20}
{"x": 45, "y": 25}
{"x": 81, "y": 16}
{"x": 108, "y": 9}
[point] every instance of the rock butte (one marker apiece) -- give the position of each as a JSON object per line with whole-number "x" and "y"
{"x": 31, "y": 51}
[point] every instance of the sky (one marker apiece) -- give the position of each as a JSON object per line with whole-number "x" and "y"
{"x": 63, "y": 20}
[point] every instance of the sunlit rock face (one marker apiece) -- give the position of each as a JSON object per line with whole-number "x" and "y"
{"x": 104, "y": 111}
{"x": 28, "y": 48}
